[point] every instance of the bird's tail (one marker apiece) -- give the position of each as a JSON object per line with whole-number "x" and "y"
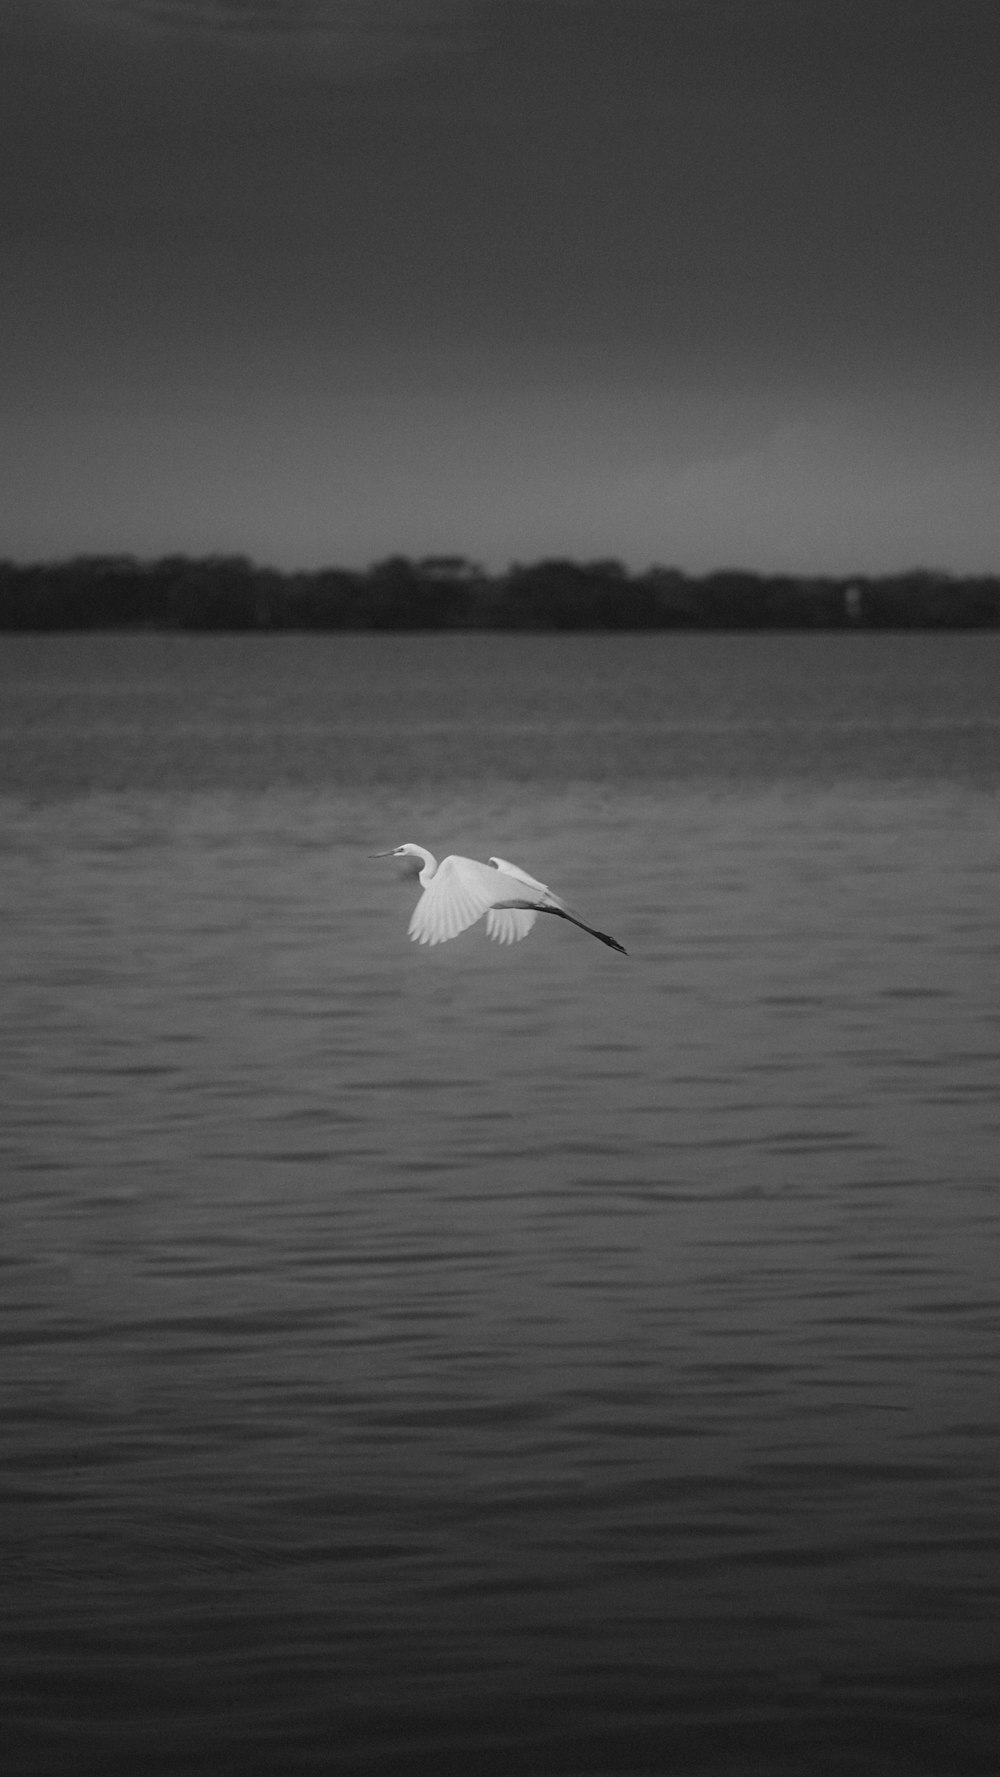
{"x": 560, "y": 913}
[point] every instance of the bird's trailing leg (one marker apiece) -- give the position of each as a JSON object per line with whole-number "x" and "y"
{"x": 560, "y": 913}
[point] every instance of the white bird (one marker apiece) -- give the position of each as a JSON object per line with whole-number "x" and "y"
{"x": 458, "y": 891}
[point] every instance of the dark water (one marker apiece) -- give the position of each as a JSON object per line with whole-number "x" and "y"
{"x": 477, "y": 1360}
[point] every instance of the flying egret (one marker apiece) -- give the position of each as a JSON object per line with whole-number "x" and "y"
{"x": 458, "y": 891}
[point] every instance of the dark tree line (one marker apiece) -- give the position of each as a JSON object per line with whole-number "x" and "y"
{"x": 178, "y": 592}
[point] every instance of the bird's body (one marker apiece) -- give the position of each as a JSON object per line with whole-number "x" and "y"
{"x": 459, "y": 891}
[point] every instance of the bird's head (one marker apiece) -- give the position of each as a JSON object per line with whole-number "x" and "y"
{"x": 413, "y": 858}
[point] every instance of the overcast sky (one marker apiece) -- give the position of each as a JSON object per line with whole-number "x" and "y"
{"x": 699, "y": 282}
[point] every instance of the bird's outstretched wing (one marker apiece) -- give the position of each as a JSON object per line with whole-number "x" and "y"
{"x": 506, "y": 924}
{"x": 520, "y": 875}
{"x": 460, "y": 892}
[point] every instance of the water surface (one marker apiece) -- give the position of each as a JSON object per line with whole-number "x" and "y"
{"x": 483, "y": 1360}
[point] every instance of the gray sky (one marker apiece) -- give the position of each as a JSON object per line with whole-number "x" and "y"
{"x": 705, "y": 282}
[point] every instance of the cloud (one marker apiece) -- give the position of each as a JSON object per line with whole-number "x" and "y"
{"x": 352, "y": 40}
{"x": 386, "y": 20}
{"x": 827, "y": 495}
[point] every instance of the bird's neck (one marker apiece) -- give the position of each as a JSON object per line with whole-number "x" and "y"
{"x": 429, "y": 864}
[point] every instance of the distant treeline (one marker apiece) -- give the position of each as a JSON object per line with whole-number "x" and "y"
{"x": 180, "y": 592}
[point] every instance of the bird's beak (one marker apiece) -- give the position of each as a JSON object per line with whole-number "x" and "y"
{"x": 382, "y": 854}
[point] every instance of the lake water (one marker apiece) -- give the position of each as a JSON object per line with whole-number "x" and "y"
{"x": 476, "y": 1360}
